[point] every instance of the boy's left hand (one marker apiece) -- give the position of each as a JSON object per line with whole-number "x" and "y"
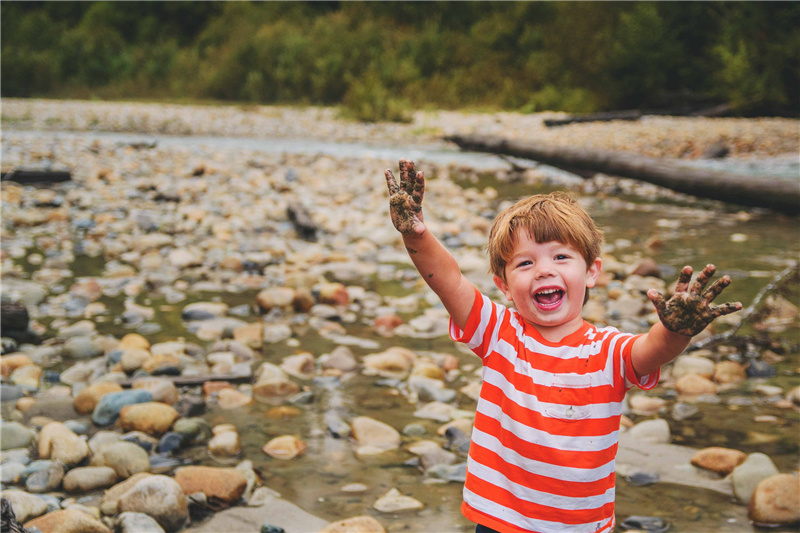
{"x": 689, "y": 310}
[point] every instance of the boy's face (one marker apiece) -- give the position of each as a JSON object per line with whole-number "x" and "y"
{"x": 547, "y": 283}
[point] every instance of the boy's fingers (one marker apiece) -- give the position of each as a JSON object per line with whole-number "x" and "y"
{"x": 410, "y": 177}
{"x": 725, "y": 309}
{"x": 683, "y": 279}
{"x": 716, "y": 288}
{"x": 703, "y": 278}
{"x": 394, "y": 188}
{"x": 658, "y": 300}
{"x": 419, "y": 188}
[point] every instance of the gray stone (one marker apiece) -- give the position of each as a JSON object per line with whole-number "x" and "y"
{"x": 46, "y": 480}
{"x": 109, "y": 406}
{"x": 653, "y": 431}
{"x": 15, "y": 435}
{"x": 88, "y": 478}
{"x": 745, "y": 477}
{"x": 11, "y": 393}
{"x": 81, "y": 348}
{"x": 159, "y": 497}
{"x": 130, "y": 522}
{"x": 124, "y": 457}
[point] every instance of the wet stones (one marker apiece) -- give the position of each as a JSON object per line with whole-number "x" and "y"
{"x": 356, "y": 524}
{"x": 87, "y": 399}
{"x": 15, "y": 435}
{"x": 68, "y": 521}
{"x": 109, "y": 406}
{"x": 695, "y": 385}
{"x": 225, "y": 445}
{"x": 653, "y": 431}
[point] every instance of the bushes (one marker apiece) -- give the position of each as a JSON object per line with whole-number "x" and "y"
{"x": 380, "y": 60}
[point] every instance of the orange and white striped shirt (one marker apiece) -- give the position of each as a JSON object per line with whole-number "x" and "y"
{"x": 547, "y": 423}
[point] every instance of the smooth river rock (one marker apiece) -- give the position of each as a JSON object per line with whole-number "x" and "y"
{"x": 109, "y": 406}
{"x": 88, "y": 478}
{"x": 68, "y": 521}
{"x": 719, "y": 460}
{"x": 776, "y": 500}
{"x": 745, "y": 477}
{"x": 153, "y": 418}
{"x": 58, "y": 442}
{"x": 26, "y": 506}
{"x": 160, "y": 497}
{"x": 227, "y": 484}
{"x": 124, "y": 457}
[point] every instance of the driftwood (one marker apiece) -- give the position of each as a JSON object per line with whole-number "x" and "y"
{"x": 607, "y": 116}
{"x": 757, "y": 191}
{"x": 198, "y": 380}
{"x": 25, "y": 176}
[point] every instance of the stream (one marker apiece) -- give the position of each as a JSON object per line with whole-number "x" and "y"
{"x": 751, "y": 246}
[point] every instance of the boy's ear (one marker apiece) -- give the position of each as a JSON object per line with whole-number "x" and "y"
{"x": 593, "y": 272}
{"x": 503, "y": 287}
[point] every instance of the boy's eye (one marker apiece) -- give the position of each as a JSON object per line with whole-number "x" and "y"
{"x": 524, "y": 263}
{"x": 562, "y": 256}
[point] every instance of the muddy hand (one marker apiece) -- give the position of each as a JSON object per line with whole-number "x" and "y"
{"x": 405, "y": 199}
{"x": 689, "y": 310}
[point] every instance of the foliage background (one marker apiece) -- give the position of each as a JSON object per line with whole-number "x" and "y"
{"x": 381, "y": 59}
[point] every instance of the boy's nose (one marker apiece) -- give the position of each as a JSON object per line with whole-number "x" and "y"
{"x": 544, "y": 270}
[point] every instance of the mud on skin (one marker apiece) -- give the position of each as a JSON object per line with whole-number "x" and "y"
{"x": 689, "y": 310}
{"x": 405, "y": 199}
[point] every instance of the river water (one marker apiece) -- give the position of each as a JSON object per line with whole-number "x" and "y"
{"x": 749, "y": 245}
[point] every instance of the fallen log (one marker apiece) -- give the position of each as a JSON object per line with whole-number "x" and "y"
{"x": 755, "y": 191}
{"x": 198, "y": 380}
{"x": 607, "y": 116}
{"x": 25, "y": 176}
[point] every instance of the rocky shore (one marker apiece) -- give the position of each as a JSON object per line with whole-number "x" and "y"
{"x": 169, "y": 303}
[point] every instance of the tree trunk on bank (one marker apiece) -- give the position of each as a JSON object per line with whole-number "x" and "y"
{"x": 757, "y": 191}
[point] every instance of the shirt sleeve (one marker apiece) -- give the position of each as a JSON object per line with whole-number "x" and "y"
{"x": 618, "y": 347}
{"x": 480, "y": 331}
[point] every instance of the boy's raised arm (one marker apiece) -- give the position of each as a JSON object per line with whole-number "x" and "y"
{"x": 436, "y": 265}
{"x": 683, "y": 316}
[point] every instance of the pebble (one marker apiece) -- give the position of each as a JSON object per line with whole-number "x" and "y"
{"x": 776, "y": 500}
{"x": 47, "y": 479}
{"x": 356, "y": 524}
{"x": 394, "y": 502}
{"x": 695, "y": 385}
{"x": 692, "y": 364}
{"x": 719, "y": 460}
{"x": 68, "y": 521}
{"x": 130, "y": 522}
{"x": 652, "y": 431}
{"x": 125, "y": 458}
{"x": 15, "y": 435}
{"x": 226, "y": 484}
{"x": 755, "y": 468}
{"x": 58, "y": 442}
{"x": 159, "y": 497}
{"x": 373, "y": 433}
{"x": 285, "y": 447}
{"x": 26, "y": 506}
{"x": 109, "y": 406}
{"x": 88, "y": 478}
{"x": 153, "y": 418}
{"x": 87, "y": 399}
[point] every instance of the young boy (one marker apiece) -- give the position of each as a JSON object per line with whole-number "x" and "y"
{"x": 547, "y": 422}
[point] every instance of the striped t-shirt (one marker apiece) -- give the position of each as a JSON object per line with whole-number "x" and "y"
{"x": 547, "y": 423}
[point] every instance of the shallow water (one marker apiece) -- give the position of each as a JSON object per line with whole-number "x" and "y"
{"x": 751, "y": 247}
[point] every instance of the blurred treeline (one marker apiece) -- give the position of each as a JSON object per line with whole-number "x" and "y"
{"x": 381, "y": 59}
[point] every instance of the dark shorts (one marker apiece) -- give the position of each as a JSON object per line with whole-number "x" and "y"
{"x": 483, "y": 529}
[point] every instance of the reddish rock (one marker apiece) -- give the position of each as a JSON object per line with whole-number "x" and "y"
{"x": 227, "y": 484}
{"x": 719, "y": 460}
{"x": 776, "y": 501}
{"x": 67, "y": 521}
{"x": 210, "y": 387}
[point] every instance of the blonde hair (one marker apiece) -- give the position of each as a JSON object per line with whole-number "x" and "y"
{"x": 546, "y": 217}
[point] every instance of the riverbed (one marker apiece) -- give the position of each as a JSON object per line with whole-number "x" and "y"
{"x": 217, "y": 182}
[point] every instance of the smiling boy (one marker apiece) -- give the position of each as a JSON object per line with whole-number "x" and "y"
{"x": 546, "y": 430}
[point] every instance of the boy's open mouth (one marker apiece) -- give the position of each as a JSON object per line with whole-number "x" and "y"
{"x": 548, "y": 298}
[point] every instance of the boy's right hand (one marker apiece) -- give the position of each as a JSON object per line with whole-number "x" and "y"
{"x": 405, "y": 199}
